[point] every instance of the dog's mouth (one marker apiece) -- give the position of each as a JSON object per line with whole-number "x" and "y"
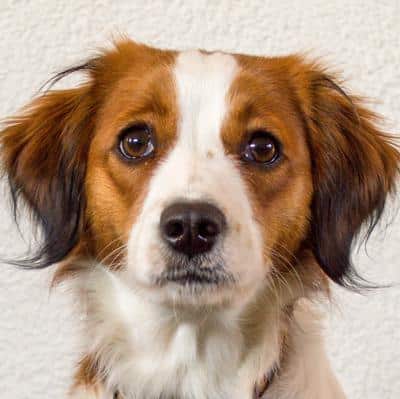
{"x": 194, "y": 275}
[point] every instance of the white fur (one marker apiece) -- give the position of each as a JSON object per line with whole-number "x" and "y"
{"x": 308, "y": 374}
{"x": 148, "y": 350}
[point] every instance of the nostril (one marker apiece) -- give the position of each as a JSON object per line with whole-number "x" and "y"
{"x": 174, "y": 229}
{"x": 191, "y": 228}
{"x": 207, "y": 229}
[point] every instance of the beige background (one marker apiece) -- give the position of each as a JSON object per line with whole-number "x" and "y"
{"x": 38, "y": 332}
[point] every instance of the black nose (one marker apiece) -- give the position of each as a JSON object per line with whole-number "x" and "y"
{"x": 192, "y": 227}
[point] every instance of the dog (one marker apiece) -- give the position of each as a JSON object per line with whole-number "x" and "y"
{"x": 199, "y": 205}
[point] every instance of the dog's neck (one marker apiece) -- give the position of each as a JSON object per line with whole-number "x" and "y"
{"x": 149, "y": 351}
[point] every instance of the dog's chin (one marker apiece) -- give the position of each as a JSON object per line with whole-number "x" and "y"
{"x": 196, "y": 295}
{"x": 193, "y": 283}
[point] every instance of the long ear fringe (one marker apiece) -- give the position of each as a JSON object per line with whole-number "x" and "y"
{"x": 55, "y": 204}
{"x": 355, "y": 167}
{"x": 45, "y": 241}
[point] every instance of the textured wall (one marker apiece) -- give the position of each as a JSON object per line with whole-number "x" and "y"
{"x": 38, "y": 332}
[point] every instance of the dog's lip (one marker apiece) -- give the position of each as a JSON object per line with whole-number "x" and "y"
{"x": 190, "y": 277}
{"x": 195, "y": 276}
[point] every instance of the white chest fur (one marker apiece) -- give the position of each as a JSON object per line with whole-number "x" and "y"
{"x": 189, "y": 363}
{"x": 149, "y": 351}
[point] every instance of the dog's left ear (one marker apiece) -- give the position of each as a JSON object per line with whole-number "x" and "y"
{"x": 43, "y": 153}
{"x": 354, "y": 169}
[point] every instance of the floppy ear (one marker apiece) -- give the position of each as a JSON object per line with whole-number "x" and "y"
{"x": 43, "y": 153}
{"x": 354, "y": 169}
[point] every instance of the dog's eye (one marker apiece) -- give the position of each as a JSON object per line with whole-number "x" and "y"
{"x": 136, "y": 141}
{"x": 262, "y": 147}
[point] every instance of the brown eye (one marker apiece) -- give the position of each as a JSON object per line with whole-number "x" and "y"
{"x": 261, "y": 148}
{"x": 136, "y": 141}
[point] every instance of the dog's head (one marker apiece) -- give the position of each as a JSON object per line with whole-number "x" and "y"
{"x": 195, "y": 174}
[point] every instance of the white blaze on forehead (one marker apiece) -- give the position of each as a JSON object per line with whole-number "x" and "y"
{"x": 197, "y": 161}
{"x": 202, "y": 82}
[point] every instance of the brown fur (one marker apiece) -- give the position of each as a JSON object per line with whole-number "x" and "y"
{"x": 87, "y": 373}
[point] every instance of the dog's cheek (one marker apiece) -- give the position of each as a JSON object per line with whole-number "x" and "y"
{"x": 285, "y": 220}
{"x": 115, "y": 198}
{"x": 282, "y": 209}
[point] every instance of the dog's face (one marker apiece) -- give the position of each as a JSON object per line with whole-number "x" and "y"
{"x": 199, "y": 175}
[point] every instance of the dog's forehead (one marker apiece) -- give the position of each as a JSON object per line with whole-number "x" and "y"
{"x": 199, "y": 69}
{"x": 202, "y": 82}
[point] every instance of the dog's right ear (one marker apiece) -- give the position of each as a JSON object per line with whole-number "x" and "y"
{"x": 44, "y": 153}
